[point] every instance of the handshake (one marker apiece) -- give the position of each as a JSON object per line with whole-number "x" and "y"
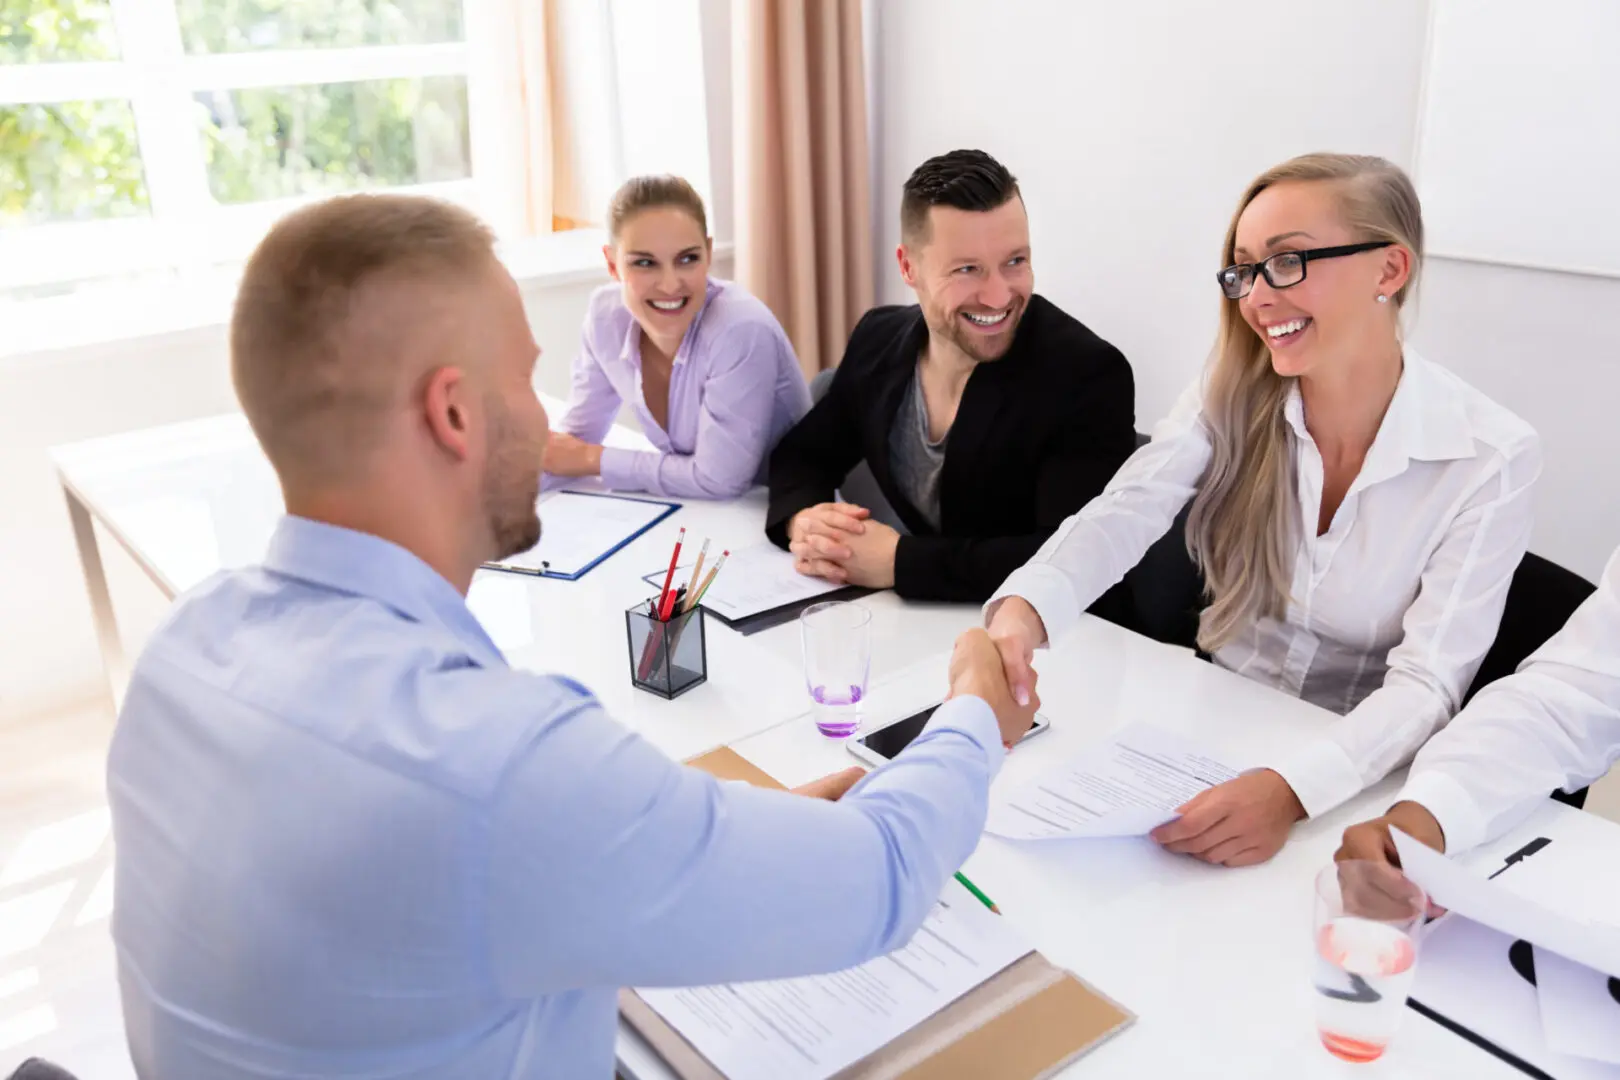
{"x": 997, "y": 670}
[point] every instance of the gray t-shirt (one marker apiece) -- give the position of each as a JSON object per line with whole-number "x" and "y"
{"x": 916, "y": 462}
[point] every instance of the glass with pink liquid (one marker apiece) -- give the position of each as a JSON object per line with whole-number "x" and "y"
{"x": 837, "y": 660}
{"x": 1368, "y": 919}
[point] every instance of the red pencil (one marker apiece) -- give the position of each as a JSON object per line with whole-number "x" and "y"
{"x": 664, "y": 593}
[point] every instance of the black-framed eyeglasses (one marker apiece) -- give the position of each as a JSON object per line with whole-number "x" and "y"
{"x": 1285, "y": 268}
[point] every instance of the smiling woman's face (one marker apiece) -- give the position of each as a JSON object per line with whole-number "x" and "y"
{"x": 661, "y": 257}
{"x": 1332, "y": 311}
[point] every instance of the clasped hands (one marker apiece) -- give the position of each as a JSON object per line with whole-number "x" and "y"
{"x": 841, "y": 543}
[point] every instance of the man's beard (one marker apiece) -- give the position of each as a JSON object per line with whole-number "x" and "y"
{"x": 977, "y": 346}
{"x": 511, "y": 486}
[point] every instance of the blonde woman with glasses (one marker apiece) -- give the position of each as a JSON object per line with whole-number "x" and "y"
{"x": 1357, "y": 512}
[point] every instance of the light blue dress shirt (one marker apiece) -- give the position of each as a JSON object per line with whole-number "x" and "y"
{"x": 352, "y": 842}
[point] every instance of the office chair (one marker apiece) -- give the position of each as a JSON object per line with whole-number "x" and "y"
{"x": 1541, "y": 598}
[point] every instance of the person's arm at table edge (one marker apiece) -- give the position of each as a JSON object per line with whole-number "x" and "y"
{"x": 673, "y": 878}
{"x": 734, "y": 426}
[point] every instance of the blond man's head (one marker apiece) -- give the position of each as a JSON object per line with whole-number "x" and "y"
{"x": 377, "y": 341}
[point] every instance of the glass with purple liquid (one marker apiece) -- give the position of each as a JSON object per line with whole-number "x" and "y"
{"x": 837, "y": 659}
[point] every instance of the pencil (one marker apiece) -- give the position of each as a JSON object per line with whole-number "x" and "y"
{"x": 663, "y": 594}
{"x": 697, "y": 568}
{"x": 704, "y": 588}
{"x": 974, "y": 889}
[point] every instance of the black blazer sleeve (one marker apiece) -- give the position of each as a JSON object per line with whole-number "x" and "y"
{"x": 1095, "y": 437}
{"x": 818, "y": 452}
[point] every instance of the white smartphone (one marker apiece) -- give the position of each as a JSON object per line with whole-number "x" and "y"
{"x": 881, "y": 746}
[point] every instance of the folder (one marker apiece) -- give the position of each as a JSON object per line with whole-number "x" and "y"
{"x": 1027, "y": 1022}
{"x": 581, "y": 529}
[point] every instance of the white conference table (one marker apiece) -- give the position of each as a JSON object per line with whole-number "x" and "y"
{"x": 1214, "y": 961}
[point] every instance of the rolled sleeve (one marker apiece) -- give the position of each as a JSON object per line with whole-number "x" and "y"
{"x": 1048, "y": 591}
{"x": 1322, "y": 776}
{"x": 1461, "y": 820}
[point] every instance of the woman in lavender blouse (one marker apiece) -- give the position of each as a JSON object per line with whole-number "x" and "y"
{"x": 705, "y": 366}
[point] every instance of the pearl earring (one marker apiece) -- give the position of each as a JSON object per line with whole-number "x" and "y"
{"x": 1382, "y": 299}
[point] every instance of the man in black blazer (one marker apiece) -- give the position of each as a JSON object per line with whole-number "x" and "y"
{"x": 986, "y": 414}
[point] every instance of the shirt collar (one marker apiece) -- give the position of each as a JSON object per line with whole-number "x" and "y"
{"x": 1425, "y": 422}
{"x": 359, "y": 564}
{"x": 630, "y": 349}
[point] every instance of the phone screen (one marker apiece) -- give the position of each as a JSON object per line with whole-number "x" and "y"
{"x": 889, "y": 741}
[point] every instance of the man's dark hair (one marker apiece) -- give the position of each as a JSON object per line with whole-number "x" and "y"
{"x": 965, "y": 179}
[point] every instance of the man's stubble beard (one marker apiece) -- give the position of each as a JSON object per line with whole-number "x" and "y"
{"x": 511, "y": 486}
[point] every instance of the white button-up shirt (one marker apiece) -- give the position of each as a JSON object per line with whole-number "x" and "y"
{"x": 1556, "y": 723}
{"x": 1392, "y": 609}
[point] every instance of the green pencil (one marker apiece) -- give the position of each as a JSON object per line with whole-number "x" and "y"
{"x": 974, "y": 889}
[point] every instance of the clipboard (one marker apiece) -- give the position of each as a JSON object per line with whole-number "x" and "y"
{"x": 614, "y": 539}
{"x": 1025, "y": 1023}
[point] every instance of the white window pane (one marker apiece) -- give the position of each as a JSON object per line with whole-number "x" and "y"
{"x": 69, "y": 161}
{"x": 242, "y": 25}
{"x": 41, "y": 31}
{"x": 276, "y": 142}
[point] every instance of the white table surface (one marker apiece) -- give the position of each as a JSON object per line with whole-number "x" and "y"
{"x": 1214, "y": 961}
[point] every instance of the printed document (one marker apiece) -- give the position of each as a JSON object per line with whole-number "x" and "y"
{"x": 1127, "y": 786}
{"x": 810, "y": 1028}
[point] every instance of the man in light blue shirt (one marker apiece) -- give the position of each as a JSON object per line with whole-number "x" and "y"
{"x": 351, "y": 841}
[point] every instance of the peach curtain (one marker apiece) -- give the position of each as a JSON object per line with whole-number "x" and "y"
{"x": 803, "y": 210}
{"x": 525, "y": 140}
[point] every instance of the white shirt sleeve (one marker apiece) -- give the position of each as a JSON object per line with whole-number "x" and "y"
{"x": 1093, "y": 549}
{"x": 1446, "y": 633}
{"x": 1554, "y": 724}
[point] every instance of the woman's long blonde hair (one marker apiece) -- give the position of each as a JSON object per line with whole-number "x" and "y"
{"x": 1244, "y": 522}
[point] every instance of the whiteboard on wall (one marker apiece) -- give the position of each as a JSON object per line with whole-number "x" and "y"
{"x": 1518, "y": 148}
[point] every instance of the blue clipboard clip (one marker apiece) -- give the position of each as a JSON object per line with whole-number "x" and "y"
{"x": 545, "y": 570}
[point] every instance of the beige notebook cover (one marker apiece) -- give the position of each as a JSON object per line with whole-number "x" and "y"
{"x": 1025, "y": 1023}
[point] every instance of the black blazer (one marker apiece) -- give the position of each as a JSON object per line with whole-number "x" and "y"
{"x": 1038, "y": 434}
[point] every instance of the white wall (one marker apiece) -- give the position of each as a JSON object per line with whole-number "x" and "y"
{"x": 1133, "y": 128}
{"x": 48, "y": 653}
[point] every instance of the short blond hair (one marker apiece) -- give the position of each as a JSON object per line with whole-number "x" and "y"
{"x": 327, "y": 303}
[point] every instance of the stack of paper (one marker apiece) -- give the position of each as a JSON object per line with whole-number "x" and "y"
{"x": 811, "y": 1028}
{"x": 1568, "y": 1022}
{"x": 1127, "y": 786}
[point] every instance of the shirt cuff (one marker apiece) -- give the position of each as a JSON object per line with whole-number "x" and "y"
{"x": 973, "y": 717}
{"x": 619, "y": 470}
{"x": 1461, "y": 822}
{"x": 1322, "y": 776}
{"x": 1047, "y": 590}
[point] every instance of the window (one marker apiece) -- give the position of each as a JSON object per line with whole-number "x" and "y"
{"x": 154, "y": 141}
{"x": 151, "y": 139}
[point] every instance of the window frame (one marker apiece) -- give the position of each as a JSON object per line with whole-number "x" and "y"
{"x": 186, "y": 232}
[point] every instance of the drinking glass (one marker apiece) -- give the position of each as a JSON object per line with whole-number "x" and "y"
{"x": 1368, "y": 919}
{"x": 837, "y": 660}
